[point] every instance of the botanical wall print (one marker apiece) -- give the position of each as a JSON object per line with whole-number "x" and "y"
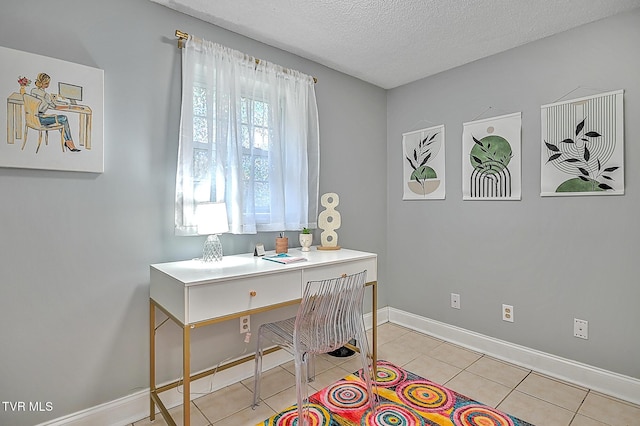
{"x": 424, "y": 164}
{"x": 54, "y": 113}
{"x": 491, "y": 158}
{"x": 582, "y": 146}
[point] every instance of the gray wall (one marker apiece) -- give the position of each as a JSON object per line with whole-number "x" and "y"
{"x": 553, "y": 259}
{"x": 75, "y": 247}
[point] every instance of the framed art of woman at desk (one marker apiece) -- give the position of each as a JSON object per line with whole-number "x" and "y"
{"x": 52, "y": 99}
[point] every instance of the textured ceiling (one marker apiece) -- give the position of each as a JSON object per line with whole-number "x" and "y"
{"x": 392, "y": 42}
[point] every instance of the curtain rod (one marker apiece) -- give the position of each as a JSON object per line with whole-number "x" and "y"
{"x": 184, "y": 36}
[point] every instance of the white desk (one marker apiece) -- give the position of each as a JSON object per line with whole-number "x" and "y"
{"x": 196, "y": 294}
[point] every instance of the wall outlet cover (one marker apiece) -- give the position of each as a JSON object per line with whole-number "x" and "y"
{"x": 455, "y": 300}
{"x": 580, "y": 328}
{"x": 245, "y": 324}
{"x": 507, "y": 313}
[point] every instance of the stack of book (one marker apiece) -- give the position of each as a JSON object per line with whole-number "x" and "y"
{"x": 285, "y": 258}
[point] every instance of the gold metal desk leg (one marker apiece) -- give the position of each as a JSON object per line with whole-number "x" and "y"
{"x": 152, "y": 359}
{"x": 374, "y": 334}
{"x": 186, "y": 374}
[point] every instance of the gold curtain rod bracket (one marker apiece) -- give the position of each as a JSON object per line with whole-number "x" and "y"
{"x": 181, "y": 35}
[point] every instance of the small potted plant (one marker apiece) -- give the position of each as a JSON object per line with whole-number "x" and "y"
{"x": 306, "y": 239}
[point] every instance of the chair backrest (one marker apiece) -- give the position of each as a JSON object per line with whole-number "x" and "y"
{"x": 330, "y": 314}
{"x": 31, "y": 104}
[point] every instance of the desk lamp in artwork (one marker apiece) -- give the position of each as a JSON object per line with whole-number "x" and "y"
{"x": 211, "y": 219}
{"x": 329, "y": 221}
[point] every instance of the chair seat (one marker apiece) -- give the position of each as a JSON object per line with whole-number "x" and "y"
{"x": 280, "y": 332}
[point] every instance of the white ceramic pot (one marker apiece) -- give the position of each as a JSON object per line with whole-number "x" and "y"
{"x": 305, "y": 241}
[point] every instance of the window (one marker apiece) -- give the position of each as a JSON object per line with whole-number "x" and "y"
{"x": 204, "y": 153}
{"x": 255, "y": 135}
{"x": 249, "y": 137}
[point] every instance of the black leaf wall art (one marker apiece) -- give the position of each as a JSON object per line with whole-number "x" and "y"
{"x": 423, "y": 164}
{"x": 491, "y": 158}
{"x": 582, "y": 146}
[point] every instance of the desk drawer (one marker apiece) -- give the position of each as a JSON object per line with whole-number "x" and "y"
{"x": 214, "y": 300}
{"x": 337, "y": 269}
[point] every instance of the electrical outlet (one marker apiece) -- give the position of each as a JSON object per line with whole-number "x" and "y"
{"x": 245, "y": 324}
{"x": 580, "y": 328}
{"x": 455, "y": 301}
{"x": 507, "y": 313}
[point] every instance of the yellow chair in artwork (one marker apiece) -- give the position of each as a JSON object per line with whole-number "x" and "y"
{"x": 32, "y": 121}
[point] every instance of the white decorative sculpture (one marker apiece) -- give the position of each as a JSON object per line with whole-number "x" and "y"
{"x": 329, "y": 221}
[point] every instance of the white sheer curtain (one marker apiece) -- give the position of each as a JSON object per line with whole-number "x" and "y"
{"x": 248, "y": 137}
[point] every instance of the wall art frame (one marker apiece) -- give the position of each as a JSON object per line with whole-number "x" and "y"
{"x": 582, "y": 147}
{"x": 424, "y": 164}
{"x": 491, "y": 158}
{"x": 54, "y": 114}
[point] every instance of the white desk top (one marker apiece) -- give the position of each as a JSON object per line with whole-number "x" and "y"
{"x": 194, "y": 272}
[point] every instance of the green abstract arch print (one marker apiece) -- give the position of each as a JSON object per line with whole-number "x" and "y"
{"x": 491, "y": 154}
{"x": 491, "y": 158}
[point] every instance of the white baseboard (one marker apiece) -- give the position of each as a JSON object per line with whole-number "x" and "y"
{"x": 610, "y": 383}
{"x": 135, "y": 407}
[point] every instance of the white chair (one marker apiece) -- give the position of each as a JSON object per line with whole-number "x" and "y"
{"x": 329, "y": 316}
{"x": 32, "y": 121}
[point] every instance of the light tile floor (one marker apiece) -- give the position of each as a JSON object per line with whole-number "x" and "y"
{"x": 523, "y": 393}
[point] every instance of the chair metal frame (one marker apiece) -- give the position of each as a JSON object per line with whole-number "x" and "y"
{"x": 330, "y": 315}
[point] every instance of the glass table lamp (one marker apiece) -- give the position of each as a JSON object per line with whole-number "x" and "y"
{"x": 211, "y": 219}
